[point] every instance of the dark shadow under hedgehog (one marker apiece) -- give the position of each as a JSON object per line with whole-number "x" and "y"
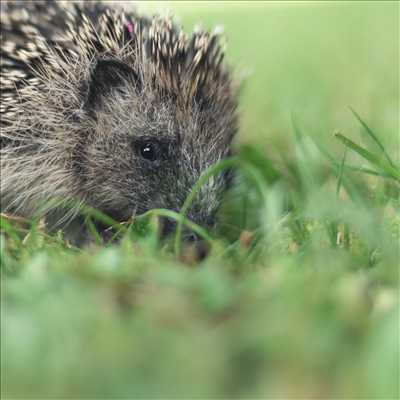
{"x": 109, "y": 109}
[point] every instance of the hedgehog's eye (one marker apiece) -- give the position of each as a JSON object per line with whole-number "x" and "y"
{"x": 149, "y": 151}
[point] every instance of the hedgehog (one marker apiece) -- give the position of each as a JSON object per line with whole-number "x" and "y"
{"x": 109, "y": 109}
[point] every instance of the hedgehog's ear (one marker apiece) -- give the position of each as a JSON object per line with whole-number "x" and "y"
{"x": 108, "y": 75}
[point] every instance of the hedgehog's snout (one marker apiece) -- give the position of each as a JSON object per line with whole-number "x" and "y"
{"x": 195, "y": 248}
{"x": 193, "y": 243}
{"x": 168, "y": 228}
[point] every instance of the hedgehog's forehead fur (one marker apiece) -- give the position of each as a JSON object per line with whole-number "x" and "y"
{"x": 167, "y": 62}
{"x": 103, "y": 81}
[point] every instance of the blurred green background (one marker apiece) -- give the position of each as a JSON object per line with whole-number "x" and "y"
{"x": 313, "y": 58}
{"x": 307, "y": 308}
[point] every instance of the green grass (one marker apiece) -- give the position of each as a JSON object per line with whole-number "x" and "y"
{"x": 299, "y": 297}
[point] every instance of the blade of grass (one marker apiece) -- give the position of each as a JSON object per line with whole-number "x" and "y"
{"x": 341, "y": 169}
{"x": 178, "y": 218}
{"x": 350, "y": 167}
{"x": 347, "y": 184}
{"x": 346, "y": 235}
{"x": 393, "y": 172}
{"x": 372, "y": 135}
{"x": 304, "y": 166}
{"x": 88, "y": 211}
{"x": 366, "y": 171}
{"x": 232, "y": 162}
{"x": 93, "y": 230}
{"x": 297, "y": 132}
{"x": 258, "y": 159}
{"x": 216, "y": 168}
{"x": 10, "y": 230}
{"x": 332, "y": 230}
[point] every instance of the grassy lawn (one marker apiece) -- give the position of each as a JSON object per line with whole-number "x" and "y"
{"x": 299, "y": 297}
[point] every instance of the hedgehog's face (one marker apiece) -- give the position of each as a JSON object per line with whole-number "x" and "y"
{"x": 144, "y": 153}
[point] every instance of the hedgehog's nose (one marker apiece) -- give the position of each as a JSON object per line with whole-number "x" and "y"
{"x": 190, "y": 236}
{"x": 195, "y": 248}
{"x": 168, "y": 227}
